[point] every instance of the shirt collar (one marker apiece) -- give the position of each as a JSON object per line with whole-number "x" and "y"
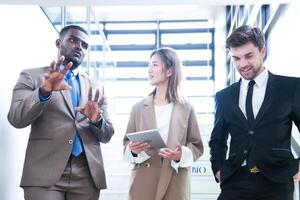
{"x": 260, "y": 80}
{"x": 75, "y": 72}
{"x": 71, "y": 73}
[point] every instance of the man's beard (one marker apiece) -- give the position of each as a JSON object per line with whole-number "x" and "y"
{"x": 75, "y": 62}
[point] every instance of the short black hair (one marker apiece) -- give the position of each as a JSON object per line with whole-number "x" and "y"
{"x": 65, "y": 29}
{"x": 245, "y": 34}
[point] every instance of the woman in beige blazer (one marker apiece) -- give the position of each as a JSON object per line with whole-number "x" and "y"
{"x": 163, "y": 174}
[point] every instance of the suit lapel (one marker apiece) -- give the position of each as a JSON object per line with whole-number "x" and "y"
{"x": 235, "y": 93}
{"x": 178, "y": 114}
{"x": 83, "y": 94}
{"x": 269, "y": 96}
{"x": 68, "y": 100}
{"x": 148, "y": 111}
{"x": 84, "y": 88}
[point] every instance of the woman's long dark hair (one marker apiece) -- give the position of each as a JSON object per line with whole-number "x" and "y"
{"x": 171, "y": 61}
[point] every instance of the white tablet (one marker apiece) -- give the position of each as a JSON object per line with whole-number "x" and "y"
{"x": 152, "y": 137}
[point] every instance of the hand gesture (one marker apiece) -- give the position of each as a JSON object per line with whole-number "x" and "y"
{"x": 54, "y": 80}
{"x": 138, "y": 147}
{"x": 171, "y": 154}
{"x": 92, "y": 110}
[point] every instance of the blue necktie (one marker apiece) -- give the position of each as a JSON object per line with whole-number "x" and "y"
{"x": 71, "y": 79}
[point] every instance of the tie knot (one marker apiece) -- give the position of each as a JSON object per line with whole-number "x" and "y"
{"x": 251, "y": 83}
{"x": 69, "y": 75}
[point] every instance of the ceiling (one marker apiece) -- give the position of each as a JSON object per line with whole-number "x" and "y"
{"x": 153, "y": 12}
{"x": 138, "y": 2}
{"x": 131, "y": 10}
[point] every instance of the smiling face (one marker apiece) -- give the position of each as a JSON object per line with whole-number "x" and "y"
{"x": 157, "y": 72}
{"x": 73, "y": 45}
{"x": 248, "y": 60}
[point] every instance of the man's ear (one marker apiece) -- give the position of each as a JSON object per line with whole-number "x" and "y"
{"x": 263, "y": 51}
{"x": 57, "y": 43}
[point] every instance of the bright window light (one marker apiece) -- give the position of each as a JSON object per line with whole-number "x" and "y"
{"x": 131, "y": 39}
{"x": 186, "y": 38}
{"x": 130, "y": 26}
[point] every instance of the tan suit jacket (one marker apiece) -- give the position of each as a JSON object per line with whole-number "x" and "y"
{"x": 53, "y": 127}
{"x": 155, "y": 179}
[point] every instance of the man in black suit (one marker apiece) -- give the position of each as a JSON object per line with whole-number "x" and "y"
{"x": 257, "y": 112}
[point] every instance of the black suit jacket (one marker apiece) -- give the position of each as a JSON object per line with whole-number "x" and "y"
{"x": 268, "y": 141}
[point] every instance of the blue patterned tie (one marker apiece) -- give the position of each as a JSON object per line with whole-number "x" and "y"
{"x": 71, "y": 79}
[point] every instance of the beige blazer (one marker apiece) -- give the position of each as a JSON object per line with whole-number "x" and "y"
{"x": 53, "y": 127}
{"x": 155, "y": 179}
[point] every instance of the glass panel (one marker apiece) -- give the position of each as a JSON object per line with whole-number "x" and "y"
{"x": 198, "y": 88}
{"x": 186, "y": 25}
{"x": 132, "y": 88}
{"x": 194, "y": 54}
{"x": 96, "y": 56}
{"x": 77, "y": 15}
{"x": 96, "y": 39}
{"x": 96, "y": 26}
{"x": 197, "y": 71}
{"x": 54, "y": 15}
{"x": 131, "y": 72}
{"x": 203, "y": 104}
{"x": 124, "y": 105}
{"x": 131, "y": 39}
{"x": 131, "y": 55}
{"x": 186, "y": 38}
{"x": 130, "y": 26}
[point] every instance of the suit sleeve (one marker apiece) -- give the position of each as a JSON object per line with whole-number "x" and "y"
{"x": 25, "y": 105}
{"x": 296, "y": 108}
{"x": 105, "y": 131}
{"x": 194, "y": 141}
{"x": 130, "y": 127}
{"x": 218, "y": 139}
{"x": 296, "y": 105}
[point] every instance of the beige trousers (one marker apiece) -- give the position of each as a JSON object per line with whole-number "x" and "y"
{"x": 75, "y": 184}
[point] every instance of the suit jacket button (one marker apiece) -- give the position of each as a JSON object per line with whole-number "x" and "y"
{"x": 147, "y": 164}
{"x": 70, "y": 141}
{"x": 245, "y": 151}
{"x": 251, "y": 132}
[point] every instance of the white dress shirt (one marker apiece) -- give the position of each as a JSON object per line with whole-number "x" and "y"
{"x": 259, "y": 91}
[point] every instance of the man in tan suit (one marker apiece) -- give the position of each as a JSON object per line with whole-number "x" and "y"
{"x": 63, "y": 157}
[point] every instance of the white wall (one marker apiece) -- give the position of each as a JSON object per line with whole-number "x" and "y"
{"x": 284, "y": 43}
{"x": 27, "y": 40}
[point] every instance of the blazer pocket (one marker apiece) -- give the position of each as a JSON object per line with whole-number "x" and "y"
{"x": 282, "y": 156}
{"x": 39, "y": 138}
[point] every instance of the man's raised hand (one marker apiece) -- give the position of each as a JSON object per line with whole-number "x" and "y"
{"x": 92, "y": 109}
{"x": 54, "y": 80}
